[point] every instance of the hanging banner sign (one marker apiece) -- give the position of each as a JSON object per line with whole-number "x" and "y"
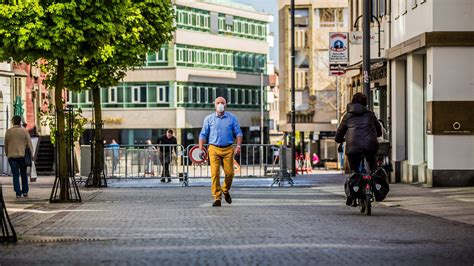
{"x": 338, "y": 47}
{"x": 356, "y": 37}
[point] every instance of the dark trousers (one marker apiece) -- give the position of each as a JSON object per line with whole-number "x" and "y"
{"x": 18, "y": 167}
{"x": 166, "y": 160}
{"x": 355, "y": 161}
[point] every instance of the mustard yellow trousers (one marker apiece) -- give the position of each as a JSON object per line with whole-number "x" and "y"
{"x": 217, "y": 157}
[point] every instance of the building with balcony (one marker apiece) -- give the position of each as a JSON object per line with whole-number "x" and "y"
{"x": 315, "y": 89}
{"x": 220, "y": 48}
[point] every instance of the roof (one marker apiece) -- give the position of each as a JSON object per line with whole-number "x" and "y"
{"x": 229, "y": 3}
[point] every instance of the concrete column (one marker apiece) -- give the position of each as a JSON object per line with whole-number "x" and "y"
{"x": 415, "y": 116}
{"x": 397, "y": 89}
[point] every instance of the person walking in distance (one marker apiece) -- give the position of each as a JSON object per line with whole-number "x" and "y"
{"x": 16, "y": 141}
{"x": 166, "y": 151}
{"x": 115, "y": 147}
{"x": 219, "y": 130}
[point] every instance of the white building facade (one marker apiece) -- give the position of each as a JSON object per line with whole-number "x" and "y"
{"x": 431, "y": 73}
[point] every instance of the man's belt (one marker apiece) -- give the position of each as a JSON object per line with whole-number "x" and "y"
{"x": 224, "y": 146}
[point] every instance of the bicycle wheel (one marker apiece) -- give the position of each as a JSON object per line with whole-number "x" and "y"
{"x": 368, "y": 209}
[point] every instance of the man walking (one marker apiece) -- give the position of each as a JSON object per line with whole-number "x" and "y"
{"x": 115, "y": 147}
{"x": 169, "y": 145}
{"x": 16, "y": 141}
{"x": 220, "y": 129}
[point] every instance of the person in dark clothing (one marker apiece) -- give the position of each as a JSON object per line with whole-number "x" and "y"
{"x": 359, "y": 128}
{"x": 166, "y": 152}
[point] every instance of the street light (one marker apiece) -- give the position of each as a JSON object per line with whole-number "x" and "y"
{"x": 293, "y": 118}
{"x": 366, "y": 50}
{"x": 262, "y": 117}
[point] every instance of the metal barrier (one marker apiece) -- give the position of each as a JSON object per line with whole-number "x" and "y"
{"x": 254, "y": 161}
{"x": 4, "y": 167}
{"x": 144, "y": 161}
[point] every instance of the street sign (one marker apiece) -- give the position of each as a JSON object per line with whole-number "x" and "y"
{"x": 337, "y": 69}
{"x": 356, "y": 37}
{"x": 338, "y": 49}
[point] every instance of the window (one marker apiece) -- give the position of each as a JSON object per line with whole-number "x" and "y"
{"x": 229, "y": 96}
{"x": 210, "y": 95}
{"x": 181, "y": 94}
{"x": 190, "y": 94}
{"x": 69, "y": 97}
{"x": 135, "y": 94}
{"x": 331, "y": 17}
{"x": 151, "y": 57}
{"x": 198, "y": 94}
{"x": 113, "y": 95}
{"x": 202, "y": 95}
{"x": 382, "y": 8}
{"x": 162, "y": 55}
{"x": 162, "y": 92}
{"x": 88, "y": 96}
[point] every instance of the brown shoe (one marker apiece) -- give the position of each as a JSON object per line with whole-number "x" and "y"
{"x": 216, "y": 203}
{"x": 227, "y": 197}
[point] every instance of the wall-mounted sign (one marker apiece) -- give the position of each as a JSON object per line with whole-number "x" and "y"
{"x": 338, "y": 49}
{"x": 110, "y": 120}
{"x": 450, "y": 118}
{"x": 337, "y": 69}
{"x": 356, "y": 37}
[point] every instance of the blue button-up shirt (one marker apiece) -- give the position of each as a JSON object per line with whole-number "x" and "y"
{"x": 220, "y": 130}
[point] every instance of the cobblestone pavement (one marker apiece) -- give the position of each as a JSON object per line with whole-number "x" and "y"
{"x": 264, "y": 226}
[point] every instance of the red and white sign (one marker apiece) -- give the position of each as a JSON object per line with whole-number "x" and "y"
{"x": 338, "y": 47}
{"x": 337, "y": 69}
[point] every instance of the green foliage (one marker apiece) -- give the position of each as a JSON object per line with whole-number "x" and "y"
{"x": 30, "y": 30}
{"x": 48, "y": 119}
{"x": 148, "y": 25}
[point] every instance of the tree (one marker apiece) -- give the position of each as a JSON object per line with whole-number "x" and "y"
{"x": 60, "y": 32}
{"x": 148, "y": 26}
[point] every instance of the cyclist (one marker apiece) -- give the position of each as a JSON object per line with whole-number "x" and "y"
{"x": 359, "y": 128}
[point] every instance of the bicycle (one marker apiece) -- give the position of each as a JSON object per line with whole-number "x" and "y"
{"x": 367, "y": 196}
{"x": 365, "y": 203}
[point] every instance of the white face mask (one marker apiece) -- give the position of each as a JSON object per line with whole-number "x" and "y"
{"x": 220, "y": 108}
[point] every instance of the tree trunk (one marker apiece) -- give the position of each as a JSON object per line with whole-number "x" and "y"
{"x": 98, "y": 140}
{"x": 60, "y": 134}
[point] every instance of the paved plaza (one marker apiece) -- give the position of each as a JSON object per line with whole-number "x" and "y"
{"x": 304, "y": 225}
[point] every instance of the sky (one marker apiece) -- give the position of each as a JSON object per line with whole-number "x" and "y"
{"x": 270, "y": 7}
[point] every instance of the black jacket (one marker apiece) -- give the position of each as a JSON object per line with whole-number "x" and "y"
{"x": 359, "y": 128}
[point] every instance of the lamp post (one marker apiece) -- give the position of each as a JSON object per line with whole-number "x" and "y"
{"x": 293, "y": 118}
{"x": 262, "y": 117}
{"x": 366, "y": 50}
